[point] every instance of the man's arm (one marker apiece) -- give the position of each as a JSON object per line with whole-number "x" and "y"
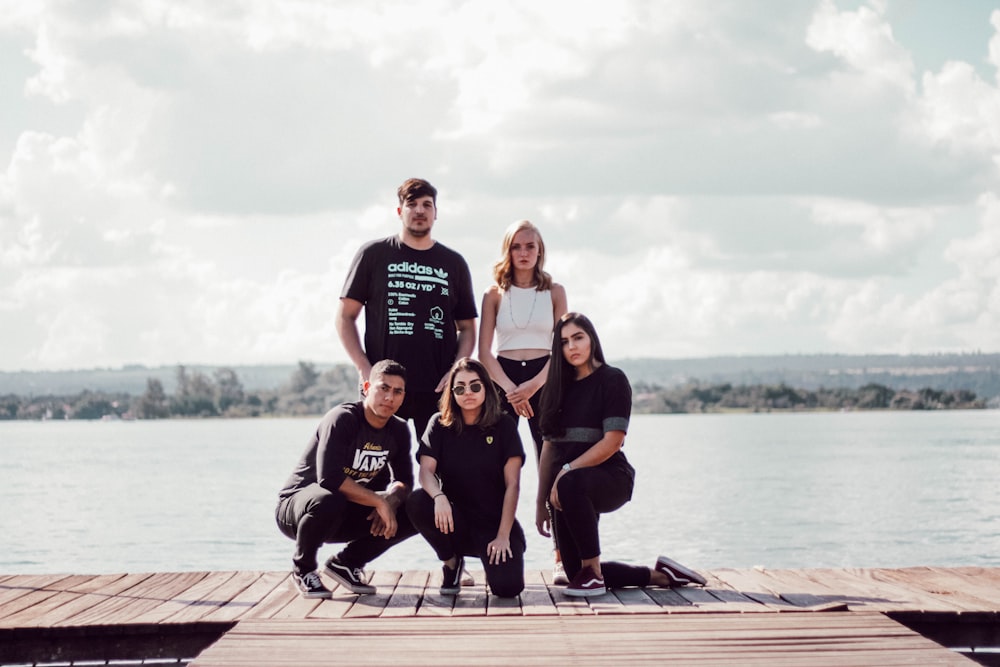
{"x": 347, "y": 329}
{"x": 384, "y": 510}
{"x": 466, "y": 343}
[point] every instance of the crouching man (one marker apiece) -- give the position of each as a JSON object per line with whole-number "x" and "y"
{"x": 350, "y": 486}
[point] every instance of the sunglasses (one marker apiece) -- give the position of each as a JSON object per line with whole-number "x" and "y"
{"x": 474, "y": 387}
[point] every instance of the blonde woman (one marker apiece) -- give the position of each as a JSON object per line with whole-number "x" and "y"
{"x": 518, "y": 313}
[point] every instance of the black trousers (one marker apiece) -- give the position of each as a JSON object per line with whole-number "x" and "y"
{"x": 506, "y": 578}
{"x": 518, "y": 372}
{"x": 585, "y": 494}
{"x": 315, "y": 516}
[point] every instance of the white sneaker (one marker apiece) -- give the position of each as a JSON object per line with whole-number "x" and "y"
{"x": 559, "y": 577}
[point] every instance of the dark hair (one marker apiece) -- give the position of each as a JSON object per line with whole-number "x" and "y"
{"x": 451, "y": 413}
{"x": 562, "y": 373}
{"x": 414, "y": 188}
{"x": 387, "y": 367}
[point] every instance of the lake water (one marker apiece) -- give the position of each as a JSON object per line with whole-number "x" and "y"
{"x": 878, "y": 489}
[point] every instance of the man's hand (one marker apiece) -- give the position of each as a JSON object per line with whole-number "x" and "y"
{"x": 383, "y": 519}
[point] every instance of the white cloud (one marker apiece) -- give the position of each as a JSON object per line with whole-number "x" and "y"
{"x": 710, "y": 179}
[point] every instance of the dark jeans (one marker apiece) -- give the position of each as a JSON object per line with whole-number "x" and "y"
{"x": 506, "y": 578}
{"x": 314, "y": 516}
{"x": 518, "y": 372}
{"x": 585, "y": 494}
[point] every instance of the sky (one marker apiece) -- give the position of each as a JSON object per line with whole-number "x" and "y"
{"x": 187, "y": 182}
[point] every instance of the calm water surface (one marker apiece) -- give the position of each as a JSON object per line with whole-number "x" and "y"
{"x": 791, "y": 490}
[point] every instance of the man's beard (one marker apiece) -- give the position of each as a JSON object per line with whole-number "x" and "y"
{"x": 418, "y": 232}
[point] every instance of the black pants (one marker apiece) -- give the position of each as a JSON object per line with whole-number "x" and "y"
{"x": 585, "y": 494}
{"x": 314, "y": 516}
{"x": 518, "y": 372}
{"x": 506, "y": 578}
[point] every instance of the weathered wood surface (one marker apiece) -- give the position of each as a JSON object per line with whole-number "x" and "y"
{"x": 60, "y": 600}
{"x": 788, "y": 639}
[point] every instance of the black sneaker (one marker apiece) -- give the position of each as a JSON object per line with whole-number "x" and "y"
{"x": 677, "y": 573}
{"x": 451, "y": 578}
{"x": 351, "y": 578}
{"x": 309, "y": 585}
{"x": 586, "y": 584}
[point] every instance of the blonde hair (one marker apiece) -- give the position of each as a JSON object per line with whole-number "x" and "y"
{"x": 503, "y": 273}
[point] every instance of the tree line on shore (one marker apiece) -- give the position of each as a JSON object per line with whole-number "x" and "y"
{"x": 311, "y": 392}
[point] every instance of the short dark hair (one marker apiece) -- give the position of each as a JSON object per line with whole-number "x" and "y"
{"x": 388, "y": 367}
{"x": 414, "y": 188}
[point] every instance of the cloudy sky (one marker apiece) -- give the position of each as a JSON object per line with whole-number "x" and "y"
{"x": 186, "y": 182}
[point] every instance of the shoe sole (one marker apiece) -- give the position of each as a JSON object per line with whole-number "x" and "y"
{"x": 450, "y": 591}
{"x": 585, "y": 592}
{"x": 678, "y": 573}
{"x": 358, "y": 589}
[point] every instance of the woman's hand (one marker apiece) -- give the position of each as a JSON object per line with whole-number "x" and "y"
{"x": 499, "y": 550}
{"x": 542, "y": 519}
{"x": 554, "y": 494}
{"x": 442, "y": 514}
{"x": 520, "y": 399}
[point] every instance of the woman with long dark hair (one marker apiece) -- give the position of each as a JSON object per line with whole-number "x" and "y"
{"x": 583, "y": 472}
{"x": 470, "y": 460}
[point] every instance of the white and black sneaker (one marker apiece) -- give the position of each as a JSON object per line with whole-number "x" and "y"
{"x": 309, "y": 585}
{"x": 451, "y": 578}
{"x": 351, "y": 578}
{"x": 677, "y": 573}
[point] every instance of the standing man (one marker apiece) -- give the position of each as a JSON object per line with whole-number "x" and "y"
{"x": 350, "y": 486}
{"x": 418, "y": 303}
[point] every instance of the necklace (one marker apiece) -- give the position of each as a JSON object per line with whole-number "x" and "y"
{"x": 510, "y": 307}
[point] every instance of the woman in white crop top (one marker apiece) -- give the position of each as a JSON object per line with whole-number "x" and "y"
{"x": 519, "y": 311}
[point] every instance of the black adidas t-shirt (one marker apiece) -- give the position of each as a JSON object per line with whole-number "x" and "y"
{"x": 412, "y": 300}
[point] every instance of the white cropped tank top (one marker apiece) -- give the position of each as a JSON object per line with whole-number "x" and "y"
{"x": 524, "y": 319}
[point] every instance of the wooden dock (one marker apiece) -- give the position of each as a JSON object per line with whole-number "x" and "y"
{"x": 911, "y": 616}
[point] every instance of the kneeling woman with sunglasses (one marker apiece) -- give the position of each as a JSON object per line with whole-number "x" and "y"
{"x": 470, "y": 474}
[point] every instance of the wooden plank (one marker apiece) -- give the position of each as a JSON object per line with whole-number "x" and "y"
{"x": 535, "y": 598}
{"x": 670, "y": 600}
{"x": 47, "y": 596}
{"x": 789, "y": 639}
{"x": 756, "y": 585}
{"x": 974, "y": 593}
{"x": 370, "y": 606}
{"x": 637, "y": 600}
{"x": 498, "y": 606}
{"x": 246, "y": 600}
{"x": 405, "y": 599}
{"x": 884, "y": 596}
{"x": 147, "y": 594}
{"x": 22, "y": 586}
{"x": 435, "y": 604}
{"x": 275, "y": 600}
{"x": 191, "y": 604}
{"x": 88, "y": 594}
{"x": 802, "y": 588}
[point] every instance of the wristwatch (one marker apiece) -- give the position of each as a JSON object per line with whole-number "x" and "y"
{"x": 567, "y": 467}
